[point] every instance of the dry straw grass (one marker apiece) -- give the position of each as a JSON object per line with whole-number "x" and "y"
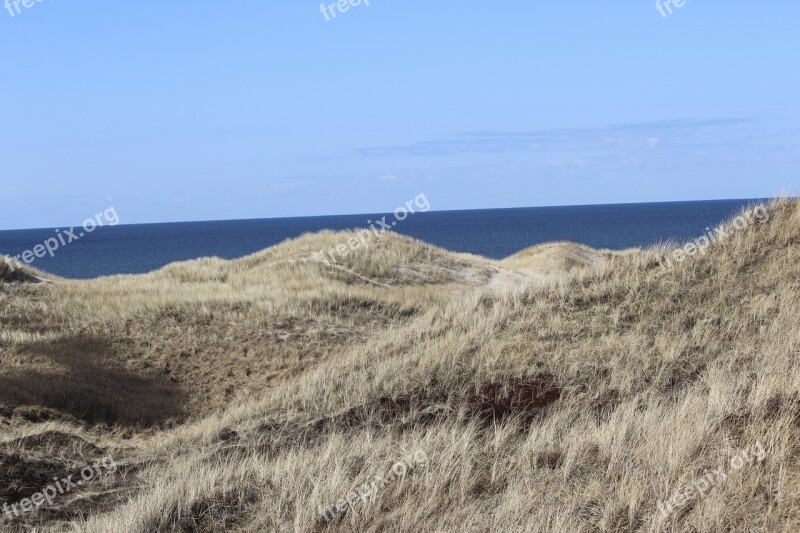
{"x": 242, "y": 395}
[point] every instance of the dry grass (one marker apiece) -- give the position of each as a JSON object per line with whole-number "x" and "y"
{"x": 558, "y": 257}
{"x": 242, "y": 395}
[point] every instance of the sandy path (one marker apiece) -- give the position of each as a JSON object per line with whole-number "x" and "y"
{"x": 508, "y": 280}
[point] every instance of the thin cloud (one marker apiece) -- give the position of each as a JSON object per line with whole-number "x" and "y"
{"x": 645, "y": 134}
{"x": 289, "y": 185}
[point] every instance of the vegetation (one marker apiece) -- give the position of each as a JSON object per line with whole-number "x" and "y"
{"x": 563, "y": 389}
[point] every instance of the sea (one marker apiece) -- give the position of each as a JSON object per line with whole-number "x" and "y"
{"x": 493, "y": 233}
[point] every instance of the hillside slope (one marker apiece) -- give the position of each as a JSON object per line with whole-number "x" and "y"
{"x": 277, "y": 385}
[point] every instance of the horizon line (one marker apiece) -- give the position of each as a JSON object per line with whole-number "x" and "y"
{"x": 198, "y": 221}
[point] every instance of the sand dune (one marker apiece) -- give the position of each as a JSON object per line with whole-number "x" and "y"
{"x": 561, "y": 389}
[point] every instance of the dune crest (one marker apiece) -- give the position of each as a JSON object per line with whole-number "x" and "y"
{"x": 561, "y": 389}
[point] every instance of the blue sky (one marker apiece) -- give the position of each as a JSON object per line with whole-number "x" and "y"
{"x": 204, "y": 110}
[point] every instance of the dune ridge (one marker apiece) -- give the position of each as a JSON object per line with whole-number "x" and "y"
{"x": 561, "y": 389}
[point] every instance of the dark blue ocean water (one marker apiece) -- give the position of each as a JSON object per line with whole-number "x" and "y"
{"x": 494, "y": 233}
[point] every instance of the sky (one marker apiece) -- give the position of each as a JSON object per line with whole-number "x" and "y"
{"x": 180, "y": 111}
